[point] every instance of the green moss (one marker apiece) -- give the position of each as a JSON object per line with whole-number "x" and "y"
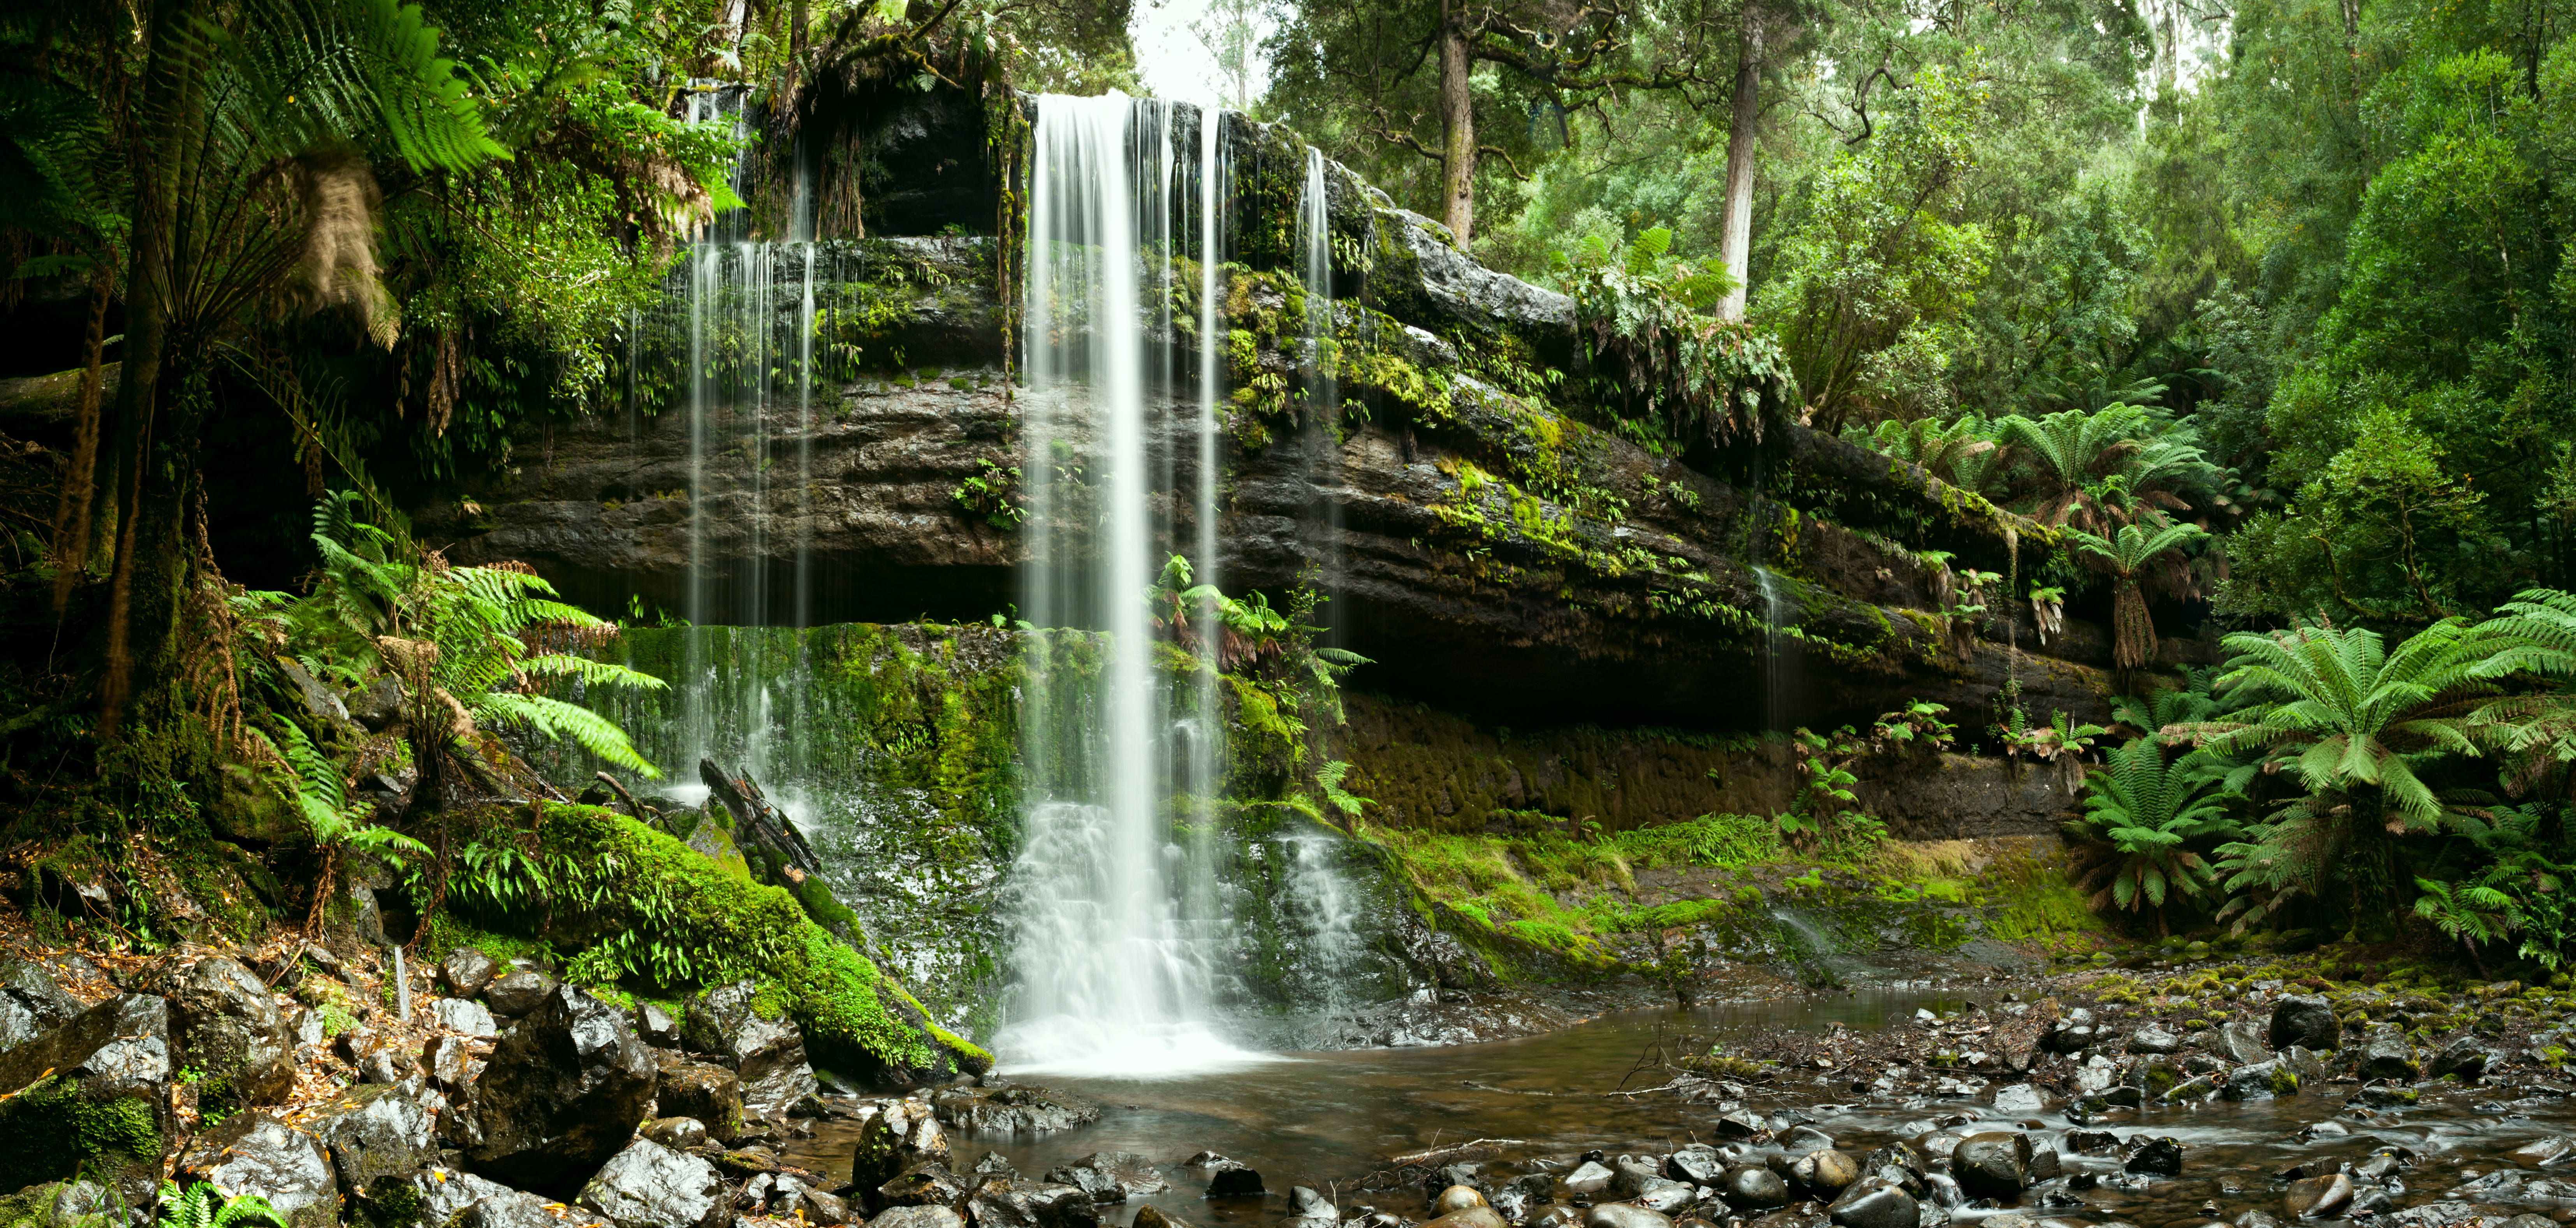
{"x": 49, "y": 1131}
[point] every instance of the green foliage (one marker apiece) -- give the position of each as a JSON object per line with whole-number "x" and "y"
{"x": 1658, "y": 353}
{"x": 2142, "y": 813}
{"x": 202, "y": 1205}
{"x": 316, "y": 788}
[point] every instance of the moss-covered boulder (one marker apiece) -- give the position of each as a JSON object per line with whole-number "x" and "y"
{"x": 91, "y": 1098}
{"x": 255, "y": 1153}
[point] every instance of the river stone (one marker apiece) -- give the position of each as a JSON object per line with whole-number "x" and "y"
{"x": 2545, "y": 1153}
{"x": 2018, "y": 1100}
{"x": 379, "y": 1133}
{"x": 2259, "y": 1081}
{"x": 1455, "y": 1198}
{"x": 1006, "y": 1202}
{"x": 702, "y": 1090}
{"x": 2466, "y": 1056}
{"x": 1305, "y": 1202}
{"x": 1995, "y": 1164}
{"x": 1556, "y": 1216}
{"x": 225, "y": 1025}
{"x": 2161, "y": 1157}
{"x": 564, "y": 1092}
{"x": 1628, "y": 1173}
{"x": 2154, "y": 1040}
{"x": 1665, "y": 1196}
{"x": 1942, "y": 1190}
{"x": 1151, "y": 1216}
{"x": 448, "y": 1063}
{"x": 1825, "y": 1173}
{"x": 2527, "y": 1219}
{"x": 518, "y": 993}
{"x": 428, "y": 1199}
{"x": 903, "y": 1134}
{"x": 654, "y": 1026}
{"x": 1118, "y": 1176}
{"x": 31, "y": 1003}
{"x": 1016, "y": 1110}
{"x": 1939, "y": 1144}
{"x": 1875, "y": 1204}
{"x": 255, "y": 1153}
{"x": 679, "y": 1133}
{"x": 519, "y": 1209}
{"x": 926, "y": 1184}
{"x": 648, "y": 1185}
{"x": 2257, "y": 1217}
{"x": 465, "y": 1017}
{"x": 1742, "y": 1123}
{"x": 1585, "y": 1179}
{"x": 1234, "y": 1181}
{"x": 797, "y": 1201}
{"x": 110, "y": 1065}
{"x": 2386, "y": 1055}
{"x": 768, "y": 1054}
{"x": 2304, "y": 1020}
{"x": 2318, "y": 1197}
{"x": 2237, "y": 1042}
{"x": 1753, "y": 1187}
{"x": 466, "y": 971}
{"x": 1602, "y": 1215}
{"x": 1698, "y": 1165}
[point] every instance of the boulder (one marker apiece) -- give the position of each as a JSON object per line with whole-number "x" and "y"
{"x": 255, "y": 1153}
{"x": 1875, "y": 1204}
{"x": 926, "y": 1184}
{"x": 2306, "y": 1020}
{"x": 1601, "y": 1215}
{"x": 1825, "y": 1173}
{"x": 465, "y": 1017}
{"x": 2259, "y": 1081}
{"x": 425, "y": 1199}
{"x": 1742, "y": 1123}
{"x": 103, "y": 1111}
{"x": 2466, "y": 1056}
{"x": 1235, "y": 1181}
{"x": 1699, "y": 1165}
{"x": 790, "y": 1199}
{"x": 466, "y": 970}
{"x": 767, "y": 1054}
{"x": 1016, "y": 1110}
{"x": 2239, "y": 1042}
{"x": 1628, "y": 1173}
{"x": 224, "y": 1024}
{"x": 378, "y": 1056}
{"x": 2019, "y": 1100}
{"x": 2160, "y": 1157}
{"x": 379, "y": 1133}
{"x": 2318, "y": 1197}
{"x": 2545, "y": 1153}
{"x": 31, "y": 1003}
{"x": 1753, "y": 1187}
{"x": 1005, "y": 1202}
{"x": 656, "y": 1026}
{"x": 2154, "y": 1040}
{"x": 1305, "y": 1202}
{"x": 1995, "y": 1164}
{"x": 648, "y": 1185}
{"x": 1117, "y": 1176}
{"x": 901, "y": 1135}
{"x": 518, "y": 993}
{"x": 1665, "y": 1196}
{"x": 450, "y": 1065}
{"x": 918, "y": 1217}
{"x": 1586, "y": 1179}
{"x": 2385, "y": 1055}
{"x": 519, "y": 1209}
{"x": 562, "y": 1094}
{"x": 702, "y": 1090}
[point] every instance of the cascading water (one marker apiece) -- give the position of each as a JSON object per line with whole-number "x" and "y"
{"x": 1780, "y": 645}
{"x": 1114, "y": 976}
{"x": 1323, "y": 412}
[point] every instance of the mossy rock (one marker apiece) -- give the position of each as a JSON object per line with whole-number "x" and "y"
{"x": 52, "y": 1131}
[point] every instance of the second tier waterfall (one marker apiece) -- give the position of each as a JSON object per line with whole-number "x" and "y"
{"x": 1122, "y": 927}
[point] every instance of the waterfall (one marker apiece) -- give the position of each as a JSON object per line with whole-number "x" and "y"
{"x": 1114, "y": 977}
{"x": 1323, "y": 412}
{"x": 1780, "y": 653}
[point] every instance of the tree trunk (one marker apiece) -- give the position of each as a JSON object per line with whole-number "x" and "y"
{"x": 1735, "y": 242}
{"x": 1457, "y": 126}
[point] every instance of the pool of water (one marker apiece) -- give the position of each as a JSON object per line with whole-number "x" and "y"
{"x": 1328, "y": 1120}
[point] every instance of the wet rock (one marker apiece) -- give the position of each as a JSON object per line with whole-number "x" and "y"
{"x": 1800, "y": 1140}
{"x": 1005, "y": 1202}
{"x": 1825, "y": 1173}
{"x": 654, "y": 1026}
{"x": 1117, "y": 1176}
{"x": 563, "y": 1092}
{"x": 2318, "y": 1197}
{"x": 1667, "y": 1197}
{"x": 518, "y": 993}
{"x": 678, "y": 1133}
{"x": 450, "y": 1067}
{"x": 2154, "y": 1040}
{"x": 466, "y": 970}
{"x": 109, "y": 1066}
{"x": 1629, "y": 1173}
{"x": 378, "y": 1056}
{"x": 1602, "y": 1215}
{"x": 1585, "y": 1180}
{"x": 903, "y": 1134}
{"x": 2370, "y": 1200}
{"x": 2161, "y": 1157}
{"x": 2525, "y": 1220}
{"x": 2018, "y": 1100}
{"x": 2044, "y": 1164}
{"x": 465, "y": 1017}
{"x": 2545, "y": 1153}
{"x": 2259, "y": 1081}
{"x": 918, "y": 1217}
{"x": 1305, "y": 1202}
{"x": 1995, "y": 1164}
{"x": 255, "y": 1153}
{"x": 795, "y": 1200}
{"x": 1876, "y": 1204}
{"x": 2092, "y": 1142}
{"x": 1151, "y": 1216}
{"x": 702, "y": 1090}
{"x": 1750, "y": 1187}
{"x": 995, "y": 1162}
{"x": 1742, "y": 1123}
{"x": 2256, "y": 1217}
{"x": 1514, "y": 1202}
{"x": 379, "y": 1133}
{"x": 1942, "y": 1191}
{"x": 1698, "y": 1164}
{"x": 2306, "y": 1020}
{"x": 2385, "y": 1055}
{"x": 1018, "y": 1110}
{"x": 926, "y": 1184}
{"x": 31, "y": 1003}
{"x": 768, "y": 1054}
{"x": 2465, "y": 1056}
{"x": 1803, "y": 1215}
{"x": 224, "y": 1024}
{"x": 519, "y": 1209}
{"x": 1558, "y": 1216}
{"x": 428, "y": 1199}
{"x": 1234, "y": 1181}
{"x": 648, "y": 1185}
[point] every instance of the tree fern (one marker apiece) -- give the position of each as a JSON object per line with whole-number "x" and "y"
{"x": 2141, "y": 812}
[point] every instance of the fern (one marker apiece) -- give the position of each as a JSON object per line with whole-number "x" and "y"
{"x": 201, "y": 1205}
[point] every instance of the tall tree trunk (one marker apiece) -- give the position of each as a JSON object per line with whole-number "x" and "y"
{"x": 1735, "y": 243}
{"x": 146, "y": 513}
{"x": 72, "y": 517}
{"x": 1457, "y": 125}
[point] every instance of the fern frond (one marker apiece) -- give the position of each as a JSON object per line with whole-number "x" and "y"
{"x": 558, "y": 720}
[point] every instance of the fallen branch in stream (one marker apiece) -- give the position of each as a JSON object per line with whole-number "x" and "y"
{"x": 1409, "y": 1171}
